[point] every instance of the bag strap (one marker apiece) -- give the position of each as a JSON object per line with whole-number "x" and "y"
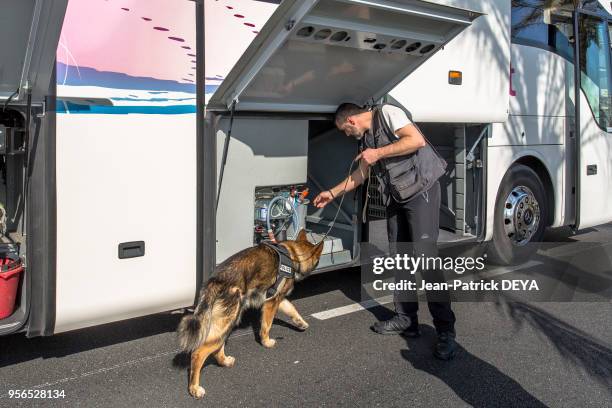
{"x": 387, "y": 128}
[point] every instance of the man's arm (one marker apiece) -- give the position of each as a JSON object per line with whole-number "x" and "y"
{"x": 410, "y": 140}
{"x": 350, "y": 183}
{"x": 354, "y": 180}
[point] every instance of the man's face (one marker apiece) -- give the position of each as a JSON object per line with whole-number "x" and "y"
{"x": 350, "y": 128}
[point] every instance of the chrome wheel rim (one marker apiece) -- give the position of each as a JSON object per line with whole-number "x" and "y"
{"x": 521, "y": 215}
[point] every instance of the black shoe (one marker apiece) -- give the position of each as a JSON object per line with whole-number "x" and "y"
{"x": 446, "y": 348}
{"x": 412, "y": 330}
{"x": 397, "y": 325}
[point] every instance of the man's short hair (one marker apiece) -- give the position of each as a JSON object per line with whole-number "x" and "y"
{"x": 345, "y": 110}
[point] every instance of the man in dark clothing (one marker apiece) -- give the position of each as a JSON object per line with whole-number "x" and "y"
{"x": 408, "y": 169}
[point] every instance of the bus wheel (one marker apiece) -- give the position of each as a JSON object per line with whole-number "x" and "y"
{"x": 520, "y": 216}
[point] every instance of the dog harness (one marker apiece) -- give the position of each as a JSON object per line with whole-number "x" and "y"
{"x": 285, "y": 268}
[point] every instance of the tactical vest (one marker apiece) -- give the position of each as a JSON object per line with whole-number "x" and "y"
{"x": 402, "y": 177}
{"x": 286, "y": 268}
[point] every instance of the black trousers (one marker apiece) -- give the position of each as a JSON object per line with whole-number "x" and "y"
{"x": 414, "y": 226}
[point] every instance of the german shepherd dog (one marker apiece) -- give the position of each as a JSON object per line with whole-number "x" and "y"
{"x": 241, "y": 282}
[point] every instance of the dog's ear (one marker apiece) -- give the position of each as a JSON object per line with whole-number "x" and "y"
{"x": 302, "y": 235}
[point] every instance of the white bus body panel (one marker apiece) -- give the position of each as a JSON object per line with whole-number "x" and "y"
{"x": 537, "y": 76}
{"x": 119, "y": 180}
{"x": 482, "y": 54}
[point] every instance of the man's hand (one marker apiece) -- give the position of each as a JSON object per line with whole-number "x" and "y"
{"x": 323, "y": 199}
{"x": 370, "y": 156}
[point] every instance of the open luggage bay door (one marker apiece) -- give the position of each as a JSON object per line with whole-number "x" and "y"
{"x": 30, "y": 30}
{"x": 312, "y": 55}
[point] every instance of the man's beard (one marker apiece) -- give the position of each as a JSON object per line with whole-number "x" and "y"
{"x": 357, "y": 135}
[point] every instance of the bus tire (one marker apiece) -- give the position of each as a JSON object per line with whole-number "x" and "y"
{"x": 521, "y": 211}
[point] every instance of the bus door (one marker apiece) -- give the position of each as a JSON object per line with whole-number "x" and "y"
{"x": 594, "y": 110}
{"x": 126, "y": 161}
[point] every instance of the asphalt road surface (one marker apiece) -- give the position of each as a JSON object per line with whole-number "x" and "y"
{"x": 521, "y": 354}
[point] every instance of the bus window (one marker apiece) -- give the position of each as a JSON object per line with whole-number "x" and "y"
{"x": 595, "y": 68}
{"x": 544, "y": 24}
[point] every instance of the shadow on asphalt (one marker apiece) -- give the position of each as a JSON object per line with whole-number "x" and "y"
{"x": 475, "y": 381}
{"x": 576, "y": 346}
{"x": 17, "y": 348}
{"x": 564, "y": 234}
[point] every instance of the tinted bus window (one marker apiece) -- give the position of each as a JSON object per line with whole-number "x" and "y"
{"x": 538, "y": 24}
{"x": 528, "y": 22}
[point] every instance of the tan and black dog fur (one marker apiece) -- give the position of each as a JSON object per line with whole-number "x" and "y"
{"x": 241, "y": 282}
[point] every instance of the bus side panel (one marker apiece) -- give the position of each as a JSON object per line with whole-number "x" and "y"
{"x": 126, "y": 161}
{"x": 542, "y": 85}
{"x": 119, "y": 181}
{"x": 482, "y": 54}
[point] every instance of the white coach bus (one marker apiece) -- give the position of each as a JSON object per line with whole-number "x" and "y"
{"x": 122, "y": 192}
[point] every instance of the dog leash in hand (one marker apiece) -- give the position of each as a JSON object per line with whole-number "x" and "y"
{"x": 337, "y": 211}
{"x": 341, "y": 200}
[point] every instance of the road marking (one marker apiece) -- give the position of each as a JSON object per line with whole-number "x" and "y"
{"x": 371, "y": 303}
{"x": 99, "y": 371}
{"x": 502, "y": 270}
{"x": 115, "y": 367}
{"x": 355, "y": 307}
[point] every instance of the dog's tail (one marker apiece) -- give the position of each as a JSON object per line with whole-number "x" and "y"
{"x": 190, "y": 333}
{"x": 193, "y": 330}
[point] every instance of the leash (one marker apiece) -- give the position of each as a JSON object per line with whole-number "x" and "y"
{"x": 331, "y": 226}
{"x": 341, "y": 201}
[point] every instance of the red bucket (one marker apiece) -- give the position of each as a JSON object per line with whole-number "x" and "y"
{"x": 10, "y": 272}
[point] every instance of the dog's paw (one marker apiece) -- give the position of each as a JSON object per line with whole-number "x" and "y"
{"x": 268, "y": 343}
{"x": 197, "y": 391}
{"x": 228, "y": 362}
{"x": 301, "y": 325}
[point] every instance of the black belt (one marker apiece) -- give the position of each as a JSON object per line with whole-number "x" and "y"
{"x": 286, "y": 269}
